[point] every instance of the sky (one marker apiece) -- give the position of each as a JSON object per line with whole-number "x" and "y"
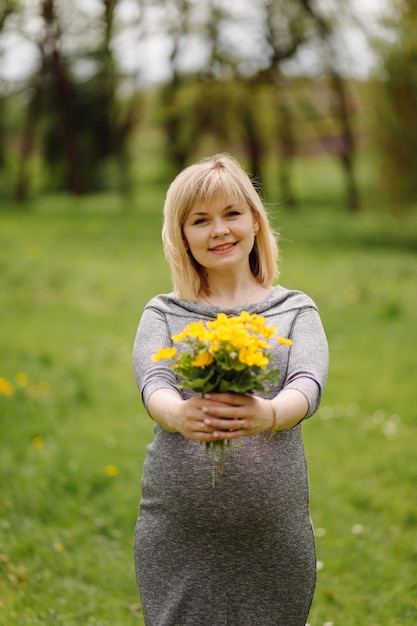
{"x": 18, "y": 57}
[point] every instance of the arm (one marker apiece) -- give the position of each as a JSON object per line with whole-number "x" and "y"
{"x": 289, "y": 407}
{"x": 153, "y": 333}
{"x": 308, "y": 360}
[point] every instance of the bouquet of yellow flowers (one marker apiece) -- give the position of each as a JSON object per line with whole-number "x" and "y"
{"x": 229, "y": 354}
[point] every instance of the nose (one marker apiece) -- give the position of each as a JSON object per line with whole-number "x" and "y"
{"x": 220, "y": 229}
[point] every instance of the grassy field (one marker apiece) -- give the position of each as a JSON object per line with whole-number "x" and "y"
{"x": 75, "y": 276}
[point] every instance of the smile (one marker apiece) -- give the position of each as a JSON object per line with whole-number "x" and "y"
{"x": 223, "y": 247}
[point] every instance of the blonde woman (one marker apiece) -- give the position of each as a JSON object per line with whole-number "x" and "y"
{"x": 242, "y": 553}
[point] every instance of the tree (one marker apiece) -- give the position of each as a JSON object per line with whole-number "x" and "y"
{"x": 81, "y": 123}
{"x": 341, "y": 103}
{"x": 278, "y": 29}
{"x": 283, "y": 38}
{"x": 396, "y": 107}
{"x": 8, "y": 8}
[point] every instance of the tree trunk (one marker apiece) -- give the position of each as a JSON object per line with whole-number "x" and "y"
{"x": 347, "y": 153}
{"x": 22, "y": 185}
{"x": 253, "y": 141}
{"x": 287, "y": 151}
{"x": 63, "y": 98}
{"x": 342, "y": 109}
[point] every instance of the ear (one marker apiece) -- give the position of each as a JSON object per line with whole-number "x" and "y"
{"x": 255, "y": 223}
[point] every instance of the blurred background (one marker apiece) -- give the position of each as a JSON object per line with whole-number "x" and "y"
{"x": 96, "y": 94}
{"x": 102, "y": 102}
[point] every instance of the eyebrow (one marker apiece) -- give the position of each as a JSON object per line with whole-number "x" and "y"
{"x": 226, "y": 208}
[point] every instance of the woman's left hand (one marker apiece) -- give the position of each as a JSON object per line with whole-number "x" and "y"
{"x": 233, "y": 415}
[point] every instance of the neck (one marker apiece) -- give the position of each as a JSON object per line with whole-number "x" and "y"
{"x": 232, "y": 294}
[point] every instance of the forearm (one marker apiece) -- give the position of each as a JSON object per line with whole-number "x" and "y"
{"x": 290, "y": 407}
{"x": 163, "y": 407}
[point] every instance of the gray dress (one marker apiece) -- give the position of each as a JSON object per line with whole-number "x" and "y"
{"x": 241, "y": 553}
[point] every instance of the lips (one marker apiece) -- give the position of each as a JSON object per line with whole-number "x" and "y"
{"x": 223, "y": 247}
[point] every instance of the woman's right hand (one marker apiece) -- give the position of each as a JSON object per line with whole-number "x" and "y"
{"x": 187, "y": 417}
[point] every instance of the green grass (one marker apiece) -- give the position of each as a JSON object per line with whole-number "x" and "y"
{"x": 75, "y": 276}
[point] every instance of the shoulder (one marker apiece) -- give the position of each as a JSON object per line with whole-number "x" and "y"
{"x": 160, "y": 302}
{"x": 170, "y": 304}
{"x": 282, "y": 300}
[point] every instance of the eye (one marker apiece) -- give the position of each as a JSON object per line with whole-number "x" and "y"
{"x": 233, "y": 213}
{"x": 199, "y": 220}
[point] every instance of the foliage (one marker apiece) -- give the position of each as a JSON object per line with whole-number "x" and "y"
{"x": 75, "y": 121}
{"x": 75, "y": 277}
{"x": 81, "y": 109}
{"x": 228, "y": 354}
{"x": 395, "y": 97}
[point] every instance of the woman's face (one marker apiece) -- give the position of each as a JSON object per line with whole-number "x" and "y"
{"x": 219, "y": 233}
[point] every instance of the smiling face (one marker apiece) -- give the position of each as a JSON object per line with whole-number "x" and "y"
{"x": 219, "y": 233}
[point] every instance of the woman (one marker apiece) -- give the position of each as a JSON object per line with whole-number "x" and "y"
{"x": 241, "y": 553}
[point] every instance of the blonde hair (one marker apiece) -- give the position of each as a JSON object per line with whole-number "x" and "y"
{"x": 218, "y": 174}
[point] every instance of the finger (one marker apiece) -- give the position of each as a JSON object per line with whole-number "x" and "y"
{"x": 225, "y": 425}
{"x": 227, "y": 434}
{"x": 224, "y": 411}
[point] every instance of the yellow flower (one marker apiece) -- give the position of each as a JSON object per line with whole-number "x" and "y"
{"x": 284, "y": 342}
{"x": 37, "y": 442}
{"x": 111, "y": 470}
{"x": 22, "y": 379}
{"x": 221, "y": 320}
{"x": 267, "y": 331}
{"x": 59, "y": 547}
{"x": 203, "y": 359}
{"x": 247, "y": 317}
{"x": 249, "y": 356}
{"x": 195, "y": 330}
{"x": 164, "y": 353}
{"x": 6, "y": 387}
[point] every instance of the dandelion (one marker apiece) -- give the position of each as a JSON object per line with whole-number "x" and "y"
{"x": 22, "y": 380}
{"x": 164, "y": 353}
{"x": 249, "y": 355}
{"x": 203, "y": 359}
{"x": 6, "y": 388}
{"x": 111, "y": 470}
{"x": 227, "y": 354}
{"x": 59, "y": 547}
{"x": 284, "y": 342}
{"x": 38, "y": 443}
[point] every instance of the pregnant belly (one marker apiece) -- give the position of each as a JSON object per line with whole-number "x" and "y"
{"x": 265, "y": 483}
